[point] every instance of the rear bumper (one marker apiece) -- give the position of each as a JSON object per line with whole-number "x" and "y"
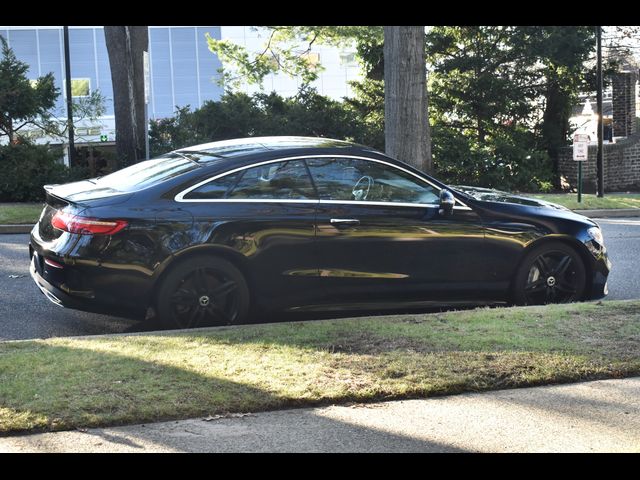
{"x": 55, "y": 295}
{"x": 62, "y": 298}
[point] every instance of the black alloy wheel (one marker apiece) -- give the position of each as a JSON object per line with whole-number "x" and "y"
{"x": 552, "y": 273}
{"x": 202, "y": 291}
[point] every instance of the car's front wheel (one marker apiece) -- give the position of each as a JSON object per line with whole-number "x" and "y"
{"x": 550, "y": 273}
{"x": 202, "y": 291}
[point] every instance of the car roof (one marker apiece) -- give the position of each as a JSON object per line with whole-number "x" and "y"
{"x": 246, "y": 148}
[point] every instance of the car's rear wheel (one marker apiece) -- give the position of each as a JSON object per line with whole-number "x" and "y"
{"x": 202, "y": 291}
{"x": 551, "y": 273}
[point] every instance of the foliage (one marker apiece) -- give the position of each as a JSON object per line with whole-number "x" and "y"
{"x": 286, "y": 50}
{"x": 239, "y": 115}
{"x": 558, "y": 59}
{"x": 505, "y": 164}
{"x": 368, "y": 104}
{"x": 26, "y": 168}
{"x": 477, "y": 84}
{"x": 501, "y": 98}
{"x": 22, "y": 103}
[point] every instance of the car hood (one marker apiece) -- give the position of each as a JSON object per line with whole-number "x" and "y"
{"x": 522, "y": 208}
{"x": 490, "y": 195}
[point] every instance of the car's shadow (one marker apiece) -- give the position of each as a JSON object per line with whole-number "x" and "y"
{"x": 150, "y": 324}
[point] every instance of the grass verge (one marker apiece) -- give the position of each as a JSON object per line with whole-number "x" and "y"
{"x": 19, "y": 213}
{"x": 65, "y": 383}
{"x": 591, "y": 201}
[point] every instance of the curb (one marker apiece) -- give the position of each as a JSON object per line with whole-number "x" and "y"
{"x": 15, "y": 228}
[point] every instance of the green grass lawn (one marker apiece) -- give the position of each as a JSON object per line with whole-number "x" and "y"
{"x": 19, "y": 213}
{"x": 65, "y": 383}
{"x": 591, "y": 201}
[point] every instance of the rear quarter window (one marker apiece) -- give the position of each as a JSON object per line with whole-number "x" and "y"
{"x": 146, "y": 174}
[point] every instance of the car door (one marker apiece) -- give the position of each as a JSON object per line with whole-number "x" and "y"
{"x": 380, "y": 236}
{"x": 266, "y": 213}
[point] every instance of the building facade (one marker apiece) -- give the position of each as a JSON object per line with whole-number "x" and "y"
{"x": 183, "y": 72}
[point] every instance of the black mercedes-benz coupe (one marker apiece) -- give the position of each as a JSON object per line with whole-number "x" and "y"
{"x": 213, "y": 233}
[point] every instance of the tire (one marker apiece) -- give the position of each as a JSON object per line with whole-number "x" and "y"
{"x": 551, "y": 273}
{"x": 202, "y": 291}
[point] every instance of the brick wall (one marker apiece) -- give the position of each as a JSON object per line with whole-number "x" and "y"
{"x": 621, "y": 166}
{"x": 624, "y": 103}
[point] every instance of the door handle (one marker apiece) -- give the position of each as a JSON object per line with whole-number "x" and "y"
{"x": 344, "y": 221}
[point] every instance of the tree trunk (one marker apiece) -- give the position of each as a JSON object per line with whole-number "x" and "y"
{"x": 125, "y": 45}
{"x": 407, "y": 133}
{"x": 555, "y": 124}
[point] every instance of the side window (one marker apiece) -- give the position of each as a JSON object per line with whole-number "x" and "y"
{"x": 215, "y": 188}
{"x": 283, "y": 180}
{"x": 334, "y": 177}
{"x": 363, "y": 180}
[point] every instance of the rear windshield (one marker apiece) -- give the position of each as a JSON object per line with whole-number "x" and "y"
{"x": 148, "y": 173}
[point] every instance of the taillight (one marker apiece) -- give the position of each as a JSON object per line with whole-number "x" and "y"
{"x": 86, "y": 226}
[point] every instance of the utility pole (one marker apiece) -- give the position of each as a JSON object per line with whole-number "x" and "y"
{"x": 67, "y": 70}
{"x": 600, "y": 159}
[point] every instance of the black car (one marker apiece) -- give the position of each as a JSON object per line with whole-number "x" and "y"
{"x": 215, "y": 232}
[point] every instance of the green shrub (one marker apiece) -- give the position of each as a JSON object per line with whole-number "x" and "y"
{"x": 237, "y": 115}
{"x": 502, "y": 163}
{"x": 508, "y": 160}
{"x": 25, "y": 168}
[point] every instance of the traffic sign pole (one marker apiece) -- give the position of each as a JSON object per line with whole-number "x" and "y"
{"x": 580, "y": 154}
{"x": 579, "y": 182}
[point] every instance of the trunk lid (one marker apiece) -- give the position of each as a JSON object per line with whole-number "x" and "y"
{"x": 74, "y": 198}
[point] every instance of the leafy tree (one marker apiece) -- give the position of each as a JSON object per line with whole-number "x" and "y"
{"x": 25, "y": 105}
{"x": 22, "y": 103}
{"x": 562, "y": 54}
{"x": 508, "y": 91}
{"x": 478, "y": 84}
{"x": 500, "y": 96}
{"x": 31, "y": 104}
{"x": 286, "y": 51}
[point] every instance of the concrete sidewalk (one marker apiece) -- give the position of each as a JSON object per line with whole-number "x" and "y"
{"x": 600, "y": 416}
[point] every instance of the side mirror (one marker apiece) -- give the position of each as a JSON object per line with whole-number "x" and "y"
{"x": 447, "y": 200}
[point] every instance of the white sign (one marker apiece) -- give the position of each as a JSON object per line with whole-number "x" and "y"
{"x": 580, "y": 147}
{"x": 147, "y": 86}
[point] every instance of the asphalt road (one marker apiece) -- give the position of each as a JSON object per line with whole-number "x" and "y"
{"x": 602, "y": 416}
{"x": 26, "y": 313}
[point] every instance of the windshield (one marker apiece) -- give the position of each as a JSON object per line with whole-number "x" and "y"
{"x": 148, "y": 173}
